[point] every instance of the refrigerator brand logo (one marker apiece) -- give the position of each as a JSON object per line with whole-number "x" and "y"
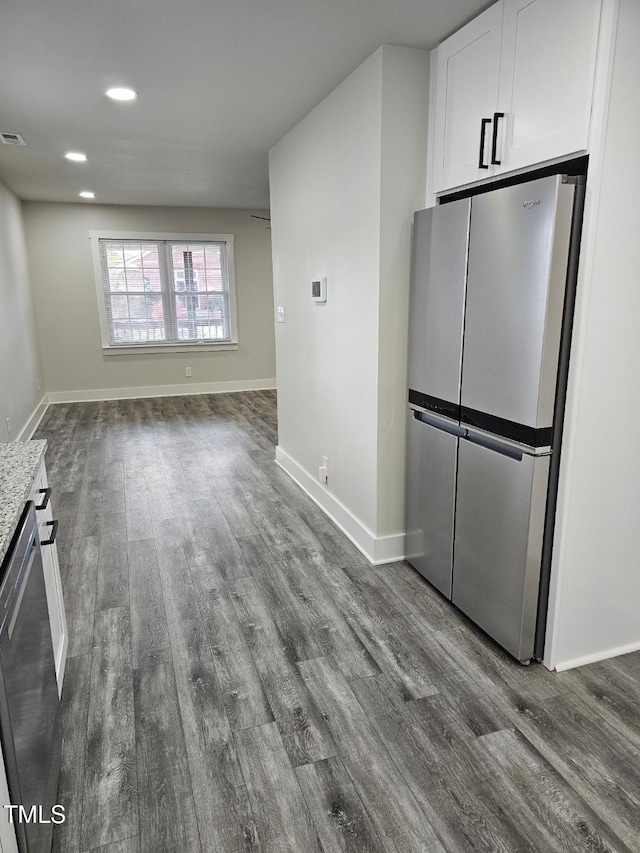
{"x": 529, "y": 204}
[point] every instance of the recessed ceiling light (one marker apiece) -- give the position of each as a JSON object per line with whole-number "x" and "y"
{"x": 76, "y": 156}
{"x": 87, "y": 194}
{"x": 119, "y": 93}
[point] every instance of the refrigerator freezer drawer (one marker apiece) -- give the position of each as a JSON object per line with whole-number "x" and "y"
{"x": 500, "y": 512}
{"x": 430, "y": 500}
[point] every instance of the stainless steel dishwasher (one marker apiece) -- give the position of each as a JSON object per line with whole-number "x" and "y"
{"x": 29, "y": 706}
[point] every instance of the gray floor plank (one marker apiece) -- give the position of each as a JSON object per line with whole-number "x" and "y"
{"x": 239, "y": 520}
{"x": 139, "y": 523}
{"x": 390, "y": 644}
{"x": 178, "y": 592}
{"x": 211, "y": 751}
{"x": 110, "y": 808}
{"x": 341, "y": 820}
{"x": 90, "y": 502}
{"x": 282, "y": 818}
{"x": 74, "y": 715}
{"x": 228, "y": 555}
{"x": 150, "y": 639}
{"x": 65, "y": 507}
{"x": 250, "y": 837}
{"x": 559, "y": 819}
{"x": 407, "y": 586}
{"x": 196, "y": 542}
{"x": 396, "y": 815}
{"x": 310, "y": 622}
{"x": 112, "y": 589}
{"x": 599, "y": 764}
{"x": 80, "y": 593}
{"x": 158, "y": 493}
{"x": 128, "y": 845}
{"x": 304, "y": 731}
{"x": 474, "y": 670}
{"x": 612, "y": 690}
{"x": 473, "y": 803}
{"x": 243, "y": 694}
{"x": 167, "y": 816}
{"x": 441, "y": 721}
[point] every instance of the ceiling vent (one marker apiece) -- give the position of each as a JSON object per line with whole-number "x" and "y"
{"x": 12, "y": 139}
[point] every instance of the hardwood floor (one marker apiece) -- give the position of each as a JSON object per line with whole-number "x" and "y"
{"x": 240, "y": 679}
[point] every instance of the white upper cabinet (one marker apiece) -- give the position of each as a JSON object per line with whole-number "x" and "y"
{"x": 467, "y": 77}
{"x": 523, "y": 71}
{"x": 547, "y": 70}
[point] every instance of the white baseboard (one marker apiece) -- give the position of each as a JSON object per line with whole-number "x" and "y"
{"x": 597, "y": 656}
{"x": 377, "y": 549}
{"x": 97, "y": 394}
{"x": 32, "y": 424}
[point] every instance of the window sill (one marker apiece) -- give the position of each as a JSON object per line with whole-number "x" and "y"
{"x": 169, "y": 349}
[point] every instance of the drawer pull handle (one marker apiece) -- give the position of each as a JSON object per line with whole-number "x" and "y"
{"x": 483, "y": 132}
{"x": 45, "y": 499}
{"x": 494, "y": 141}
{"x": 54, "y": 530}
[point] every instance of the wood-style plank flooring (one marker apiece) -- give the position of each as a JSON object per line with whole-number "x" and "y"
{"x": 240, "y": 679}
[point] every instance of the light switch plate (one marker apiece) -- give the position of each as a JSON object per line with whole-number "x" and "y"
{"x": 280, "y": 313}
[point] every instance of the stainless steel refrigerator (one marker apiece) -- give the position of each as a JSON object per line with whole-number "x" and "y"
{"x": 493, "y": 280}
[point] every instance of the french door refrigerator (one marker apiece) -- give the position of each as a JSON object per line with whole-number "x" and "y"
{"x": 493, "y": 279}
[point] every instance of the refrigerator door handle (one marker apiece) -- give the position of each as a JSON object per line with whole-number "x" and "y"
{"x": 496, "y": 445}
{"x": 439, "y": 423}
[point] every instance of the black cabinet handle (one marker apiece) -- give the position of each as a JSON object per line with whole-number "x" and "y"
{"x": 483, "y": 133}
{"x": 45, "y": 499}
{"x": 494, "y": 142}
{"x": 54, "y": 529}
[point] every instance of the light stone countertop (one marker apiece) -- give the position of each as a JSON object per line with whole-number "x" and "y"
{"x": 19, "y": 463}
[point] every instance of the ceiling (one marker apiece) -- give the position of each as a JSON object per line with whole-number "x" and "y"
{"x": 219, "y": 82}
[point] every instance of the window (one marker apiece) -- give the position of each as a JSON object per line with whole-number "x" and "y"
{"x": 158, "y": 290}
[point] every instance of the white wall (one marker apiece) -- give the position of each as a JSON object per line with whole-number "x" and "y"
{"x": 595, "y": 594}
{"x": 64, "y": 289}
{"x": 405, "y": 91}
{"x": 20, "y": 361}
{"x": 344, "y": 184}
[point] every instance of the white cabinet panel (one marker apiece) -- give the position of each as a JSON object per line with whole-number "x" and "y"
{"x": 467, "y": 73}
{"x": 524, "y": 67}
{"x": 55, "y": 601}
{"x": 51, "y": 568}
{"x": 546, "y": 78}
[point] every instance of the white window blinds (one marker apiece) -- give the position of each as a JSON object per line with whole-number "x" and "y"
{"x": 165, "y": 291}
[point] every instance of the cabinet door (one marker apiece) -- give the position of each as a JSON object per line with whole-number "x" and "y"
{"x": 57, "y": 617}
{"x": 467, "y": 73}
{"x": 53, "y": 583}
{"x": 546, "y": 79}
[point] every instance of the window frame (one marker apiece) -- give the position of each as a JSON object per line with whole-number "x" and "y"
{"x": 147, "y": 348}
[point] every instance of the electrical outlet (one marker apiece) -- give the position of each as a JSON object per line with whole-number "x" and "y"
{"x": 187, "y": 371}
{"x": 280, "y": 313}
{"x": 38, "y": 384}
{"x": 8, "y": 426}
{"x": 323, "y": 470}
